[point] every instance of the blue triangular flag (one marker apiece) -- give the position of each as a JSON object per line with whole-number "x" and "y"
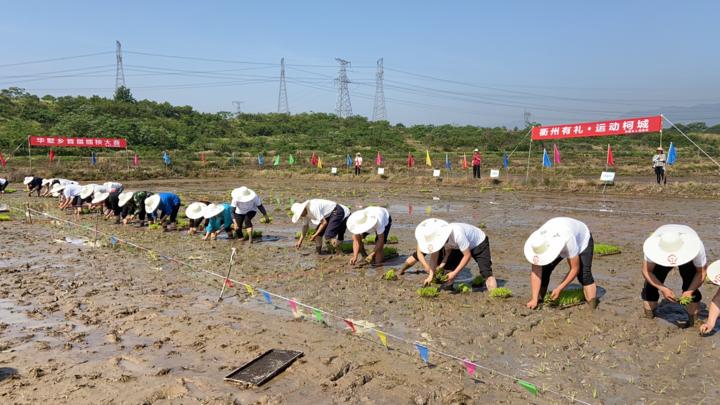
{"x": 448, "y": 165}
{"x": 506, "y": 161}
{"x": 93, "y": 159}
{"x": 113, "y": 240}
{"x": 267, "y": 297}
{"x": 423, "y": 351}
{"x": 672, "y": 154}
{"x": 166, "y": 158}
{"x": 546, "y": 159}
{"x": 348, "y": 161}
{"x": 261, "y": 159}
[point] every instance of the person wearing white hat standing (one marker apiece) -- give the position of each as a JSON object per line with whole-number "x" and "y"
{"x": 434, "y": 234}
{"x": 358, "y": 163}
{"x": 330, "y": 218}
{"x": 658, "y": 163}
{"x": 713, "y": 276}
{"x": 672, "y": 246}
{"x": 361, "y": 223}
{"x": 219, "y": 218}
{"x": 476, "y": 162}
{"x": 33, "y": 184}
{"x": 246, "y": 203}
{"x": 561, "y": 238}
{"x": 194, "y": 212}
{"x": 166, "y": 204}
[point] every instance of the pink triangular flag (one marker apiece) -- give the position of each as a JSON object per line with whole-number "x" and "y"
{"x": 293, "y": 306}
{"x": 470, "y": 367}
{"x": 350, "y": 324}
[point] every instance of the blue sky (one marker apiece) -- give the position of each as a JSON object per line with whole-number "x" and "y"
{"x": 479, "y": 63}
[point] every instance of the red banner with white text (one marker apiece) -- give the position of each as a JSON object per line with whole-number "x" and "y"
{"x": 72, "y": 142}
{"x": 599, "y": 128}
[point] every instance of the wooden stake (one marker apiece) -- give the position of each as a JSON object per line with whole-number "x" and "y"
{"x": 227, "y": 276}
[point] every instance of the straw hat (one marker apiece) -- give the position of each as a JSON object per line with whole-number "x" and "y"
{"x": 100, "y": 196}
{"x": 545, "y": 244}
{"x": 432, "y": 234}
{"x": 297, "y": 210}
{"x": 213, "y": 210}
{"x": 124, "y": 197}
{"x": 195, "y": 210}
{"x": 713, "y": 272}
{"x": 243, "y": 194}
{"x": 152, "y": 203}
{"x": 27, "y": 180}
{"x": 476, "y": 150}
{"x": 358, "y": 154}
{"x": 672, "y": 247}
{"x": 87, "y": 190}
{"x": 361, "y": 221}
{"x": 659, "y": 148}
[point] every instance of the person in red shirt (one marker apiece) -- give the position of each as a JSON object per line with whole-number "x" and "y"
{"x": 476, "y": 160}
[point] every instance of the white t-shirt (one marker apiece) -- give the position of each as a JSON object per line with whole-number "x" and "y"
{"x": 358, "y": 161}
{"x": 578, "y": 232}
{"x": 659, "y": 160}
{"x": 65, "y": 182}
{"x": 112, "y": 186}
{"x": 242, "y": 208}
{"x": 317, "y": 209}
{"x": 71, "y": 190}
{"x": 383, "y": 217}
{"x": 464, "y": 236}
{"x": 2, "y": 181}
{"x": 701, "y": 259}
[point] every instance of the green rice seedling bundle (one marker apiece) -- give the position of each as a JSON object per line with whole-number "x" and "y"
{"x": 478, "y": 281}
{"x": 390, "y": 275}
{"x": 10, "y": 190}
{"x": 602, "y": 249}
{"x": 346, "y": 247}
{"x": 183, "y": 223}
{"x": 440, "y": 277}
{"x": 501, "y": 292}
{"x": 370, "y": 238}
{"x": 685, "y": 300}
{"x": 154, "y": 227}
{"x": 463, "y": 288}
{"x": 255, "y": 234}
{"x": 4, "y": 217}
{"x": 266, "y": 221}
{"x": 566, "y": 298}
{"x": 390, "y": 252}
{"x": 428, "y": 292}
{"x": 393, "y": 240}
{"x": 309, "y": 234}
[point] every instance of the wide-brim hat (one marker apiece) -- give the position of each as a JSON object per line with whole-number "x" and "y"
{"x": 243, "y": 194}
{"x": 212, "y": 210}
{"x": 45, "y": 182}
{"x": 27, "y": 180}
{"x": 361, "y": 221}
{"x": 544, "y": 245}
{"x": 713, "y": 272}
{"x": 297, "y": 210}
{"x": 100, "y": 196}
{"x": 87, "y": 190}
{"x": 431, "y": 234}
{"x": 672, "y": 248}
{"x": 124, "y": 197}
{"x": 152, "y": 203}
{"x": 195, "y": 210}
{"x": 57, "y": 188}
{"x": 476, "y": 150}
{"x": 659, "y": 148}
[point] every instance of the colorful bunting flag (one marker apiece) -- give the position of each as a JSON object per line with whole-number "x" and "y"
{"x": 410, "y": 160}
{"x": 228, "y": 283}
{"x": 470, "y": 367}
{"x": 293, "y": 306}
{"x": 93, "y": 158}
{"x": 448, "y": 165}
{"x": 531, "y": 388}
{"x": 506, "y": 161}
{"x": 610, "y": 158}
{"x": 202, "y": 157}
{"x": 136, "y": 160}
{"x": 291, "y": 160}
{"x": 464, "y": 162}
{"x": 382, "y": 337}
{"x": 350, "y": 325}
{"x": 250, "y": 290}
{"x": 318, "y": 315}
{"x": 276, "y": 160}
{"x": 423, "y": 351}
{"x": 3, "y": 162}
{"x": 267, "y": 297}
{"x": 348, "y": 161}
{"x": 378, "y": 159}
{"x": 51, "y": 155}
{"x": 314, "y": 159}
{"x": 672, "y": 154}
{"x": 546, "y": 159}
{"x": 319, "y": 163}
{"x": 113, "y": 240}
{"x": 166, "y": 158}
{"x": 428, "y": 161}
{"x": 556, "y": 154}
{"x": 261, "y": 159}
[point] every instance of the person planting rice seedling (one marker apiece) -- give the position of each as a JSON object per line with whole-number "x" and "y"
{"x": 434, "y": 234}
{"x": 246, "y": 203}
{"x": 713, "y": 276}
{"x": 132, "y": 204}
{"x": 561, "y": 238}
{"x": 672, "y": 246}
{"x": 113, "y": 186}
{"x": 329, "y": 217}
{"x": 3, "y": 184}
{"x": 33, "y": 184}
{"x": 364, "y": 221}
{"x": 163, "y": 209}
{"x": 219, "y": 218}
{"x": 71, "y": 197}
{"x": 110, "y": 200}
{"x": 194, "y": 212}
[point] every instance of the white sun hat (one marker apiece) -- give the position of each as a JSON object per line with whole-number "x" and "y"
{"x": 672, "y": 247}
{"x": 124, "y": 197}
{"x": 361, "y": 221}
{"x": 544, "y": 245}
{"x": 476, "y": 150}
{"x": 100, "y": 196}
{"x": 431, "y": 234}
{"x": 195, "y": 210}
{"x": 243, "y": 194}
{"x": 87, "y": 190}
{"x": 713, "y": 272}
{"x": 297, "y": 210}
{"x": 152, "y": 203}
{"x": 213, "y": 210}
{"x": 45, "y": 182}
{"x": 27, "y": 180}
{"x": 57, "y": 189}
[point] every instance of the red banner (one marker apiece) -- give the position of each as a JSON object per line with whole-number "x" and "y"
{"x": 61, "y": 141}
{"x": 599, "y": 128}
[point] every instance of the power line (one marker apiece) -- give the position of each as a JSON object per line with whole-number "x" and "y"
{"x": 87, "y": 55}
{"x": 283, "y": 106}
{"x": 120, "y": 73}
{"x": 379, "y": 110}
{"x": 343, "y": 108}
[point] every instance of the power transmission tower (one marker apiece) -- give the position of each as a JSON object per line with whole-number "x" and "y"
{"x": 119, "y": 72}
{"x": 343, "y": 108}
{"x": 526, "y": 117}
{"x": 283, "y": 106}
{"x": 379, "y": 111}
{"x": 237, "y": 105}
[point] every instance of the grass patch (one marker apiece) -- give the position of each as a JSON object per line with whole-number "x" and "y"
{"x": 183, "y": 224}
{"x": 566, "y": 298}
{"x": 346, "y": 247}
{"x": 428, "y": 292}
{"x": 389, "y": 252}
{"x": 390, "y": 275}
{"x": 463, "y": 288}
{"x": 501, "y": 292}
{"x": 478, "y": 281}
{"x": 603, "y": 249}
{"x": 370, "y": 239}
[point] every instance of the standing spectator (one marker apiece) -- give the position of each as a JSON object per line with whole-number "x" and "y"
{"x": 358, "y": 163}
{"x": 476, "y": 161}
{"x": 659, "y": 165}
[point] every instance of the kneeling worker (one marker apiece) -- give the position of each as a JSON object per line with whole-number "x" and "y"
{"x": 364, "y": 221}
{"x": 330, "y": 218}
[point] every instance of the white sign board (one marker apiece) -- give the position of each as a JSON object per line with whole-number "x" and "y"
{"x": 381, "y": 170}
{"x": 607, "y": 177}
{"x": 436, "y": 173}
{"x": 494, "y": 174}
{"x": 333, "y": 170}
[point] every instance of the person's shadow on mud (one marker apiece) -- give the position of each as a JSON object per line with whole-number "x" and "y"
{"x": 674, "y": 314}
{"x": 7, "y": 373}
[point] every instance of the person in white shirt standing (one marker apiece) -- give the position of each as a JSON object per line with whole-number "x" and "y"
{"x": 358, "y": 163}
{"x": 329, "y": 217}
{"x": 246, "y": 203}
{"x": 659, "y": 165}
{"x": 558, "y": 239}
{"x": 364, "y": 221}
{"x": 668, "y": 247}
{"x": 434, "y": 234}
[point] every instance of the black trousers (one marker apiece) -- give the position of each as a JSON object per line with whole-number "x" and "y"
{"x": 357, "y": 170}
{"x": 660, "y": 174}
{"x": 584, "y": 276}
{"x": 476, "y": 171}
{"x": 687, "y": 272}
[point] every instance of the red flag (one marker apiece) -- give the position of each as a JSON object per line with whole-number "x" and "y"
{"x": 378, "y": 159}
{"x": 464, "y": 162}
{"x": 52, "y": 155}
{"x": 610, "y": 159}
{"x": 556, "y": 154}
{"x": 202, "y": 157}
{"x": 3, "y": 162}
{"x": 314, "y": 159}
{"x": 228, "y": 283}
{"x": 136, "y": 160}
{"x": 410, "y": 160}
{"x": 350, "y": 324}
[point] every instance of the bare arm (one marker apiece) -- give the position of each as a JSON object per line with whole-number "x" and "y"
{"x": 647, "y": 268}
{"x": 302, "y": 235}
{"x": 323, "y": 225}
{"x": 698, "y": 279}
{"x": 713, "y": 314}
{"x": 463, "y": 262}
{"x": 574, "y": 263}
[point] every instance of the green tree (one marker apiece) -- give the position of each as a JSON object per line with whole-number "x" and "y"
{"x": 123, "y": 94}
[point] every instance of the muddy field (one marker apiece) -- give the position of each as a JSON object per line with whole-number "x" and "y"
{"x": 84, "y": 324}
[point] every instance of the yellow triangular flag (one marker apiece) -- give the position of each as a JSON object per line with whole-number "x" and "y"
{"x": 427, "y": 158}
{"x": 382, "y": 337}
{"x": 319, "y": 163}
{"x": 250, "y": 290}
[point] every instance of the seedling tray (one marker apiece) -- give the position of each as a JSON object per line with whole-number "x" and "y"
{"x": 263, "y": 368}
